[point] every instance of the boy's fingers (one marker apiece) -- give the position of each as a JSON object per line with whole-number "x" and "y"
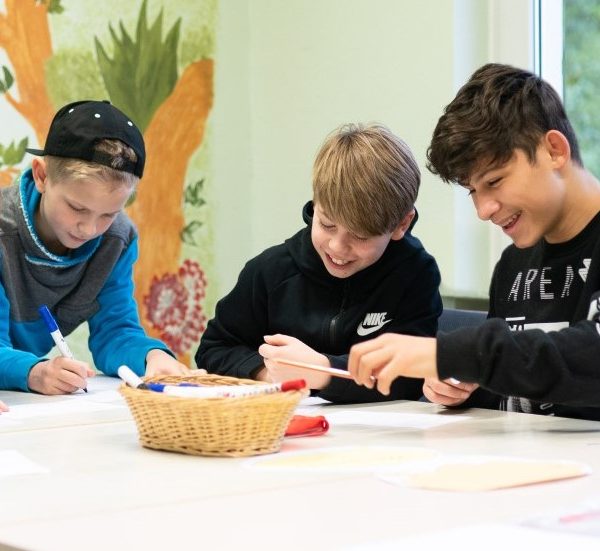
{"x": 469, "y": 387}
{"x": 266, "y": 350}
{"x": 277, "y": 340}
{"x": 71, "y": 375}
{"x": 357, "y": 355}
{"x": 442, "y": 389}
{"x": 74, "y": 366}
{"x": 373, "y": 366}
{"x": 436, "y": 398}
{"x": 70, "y": 381}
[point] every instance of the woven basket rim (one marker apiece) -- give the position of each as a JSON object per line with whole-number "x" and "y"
{"x": 217, "y": 426}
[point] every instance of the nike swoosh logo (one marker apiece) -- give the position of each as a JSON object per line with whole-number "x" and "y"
{"x": 364, "y": 331}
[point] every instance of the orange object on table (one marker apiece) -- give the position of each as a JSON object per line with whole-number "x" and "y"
{"x": 305, "y": 425}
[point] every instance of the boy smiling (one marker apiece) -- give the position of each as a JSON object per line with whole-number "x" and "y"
{"x": 507, "y": 139}
{"x": 354, "y": 271}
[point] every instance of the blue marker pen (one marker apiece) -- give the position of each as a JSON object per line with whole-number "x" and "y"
{"x": 135, "y": 382}
{"x": 56, "y": 335}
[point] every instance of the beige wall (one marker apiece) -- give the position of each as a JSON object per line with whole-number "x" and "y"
{"x": 288, "y": 72}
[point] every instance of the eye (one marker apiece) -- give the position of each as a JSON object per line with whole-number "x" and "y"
{"x": 494, "y": 182}
{"x": 358, "y": 238}
{"x": 76, "y": 209}
{"x": 470, "y": 191}
{"x": 327, "y": 227}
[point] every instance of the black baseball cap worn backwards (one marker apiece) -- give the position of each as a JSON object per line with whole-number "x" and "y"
{"x": 79, "y": 126}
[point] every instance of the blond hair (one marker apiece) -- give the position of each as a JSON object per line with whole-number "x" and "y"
{"x": 63, "y": 168}
{"x": 365, "y": 178}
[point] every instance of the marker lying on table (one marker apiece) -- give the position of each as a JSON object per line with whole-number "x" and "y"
{"x": 233, "y": 391}
{"x": 135, "y": 382}
{"x": 190, "y": 390}
{"x": 56, "y": 335}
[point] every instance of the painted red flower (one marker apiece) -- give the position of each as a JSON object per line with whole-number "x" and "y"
{"x": 174, "y": 306}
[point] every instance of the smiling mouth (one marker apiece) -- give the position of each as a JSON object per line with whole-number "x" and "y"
{"x": 338, "y": 261}
{"x": 510, "y": 222}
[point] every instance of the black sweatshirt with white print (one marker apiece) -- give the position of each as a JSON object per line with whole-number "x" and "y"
{"x": 286, "y": 289}
{"x": 536, "y": 352}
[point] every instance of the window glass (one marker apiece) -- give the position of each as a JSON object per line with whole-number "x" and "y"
{"x": 581, "y": 75}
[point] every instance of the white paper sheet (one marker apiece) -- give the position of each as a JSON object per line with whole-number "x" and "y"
{"x": 14, "y": 463}
{"x": 64, "y": 407}
{"x": 491, "y": 537}
{"x": 395, "y": 419}
{"x": 581, "y": 518}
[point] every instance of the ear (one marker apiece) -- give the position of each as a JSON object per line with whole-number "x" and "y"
{"x": 403, "y": 226}
{"x": 557, "y": 146}
{"x": 38, "y": 169}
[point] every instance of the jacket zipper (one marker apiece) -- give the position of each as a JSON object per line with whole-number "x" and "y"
{"x": 334, "y": 321}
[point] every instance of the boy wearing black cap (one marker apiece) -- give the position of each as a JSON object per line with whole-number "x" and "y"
{"x": 66, "y": 243}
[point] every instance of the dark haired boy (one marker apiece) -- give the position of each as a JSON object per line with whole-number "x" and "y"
{"x": 507, "y": 140}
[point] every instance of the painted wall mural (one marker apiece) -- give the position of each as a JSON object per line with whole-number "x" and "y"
{"x": 155, "y": 61}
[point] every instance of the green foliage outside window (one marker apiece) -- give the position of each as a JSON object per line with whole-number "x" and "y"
{"x": 581, "y": 73}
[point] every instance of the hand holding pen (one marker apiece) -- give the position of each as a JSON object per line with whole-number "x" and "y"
{"x": 60, "y": 375}
{"x": 285, "y": 346}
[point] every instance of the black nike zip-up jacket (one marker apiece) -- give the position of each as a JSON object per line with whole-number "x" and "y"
{"x": 286, "y": 289}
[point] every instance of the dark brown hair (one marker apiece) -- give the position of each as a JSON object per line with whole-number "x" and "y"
{"x": 500, "y": 109}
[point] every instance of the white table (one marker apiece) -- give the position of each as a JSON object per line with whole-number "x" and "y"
{"x": 104, "y": 491}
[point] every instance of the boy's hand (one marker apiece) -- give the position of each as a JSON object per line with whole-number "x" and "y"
{"x": 448, "y": 392}
{"x": 263, "y": 375}
{"x": 290, "y": 348}
{"x": 59, "y": 376}
{"x": 158, "y": 362}
{"x": 3, "y": 406}
{"x": 390, "y": 356}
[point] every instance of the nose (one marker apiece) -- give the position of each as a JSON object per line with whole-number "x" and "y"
{"x": 486, "y": 207}
{"x": 86, "y": 229}
{"x": 338, "y": 244}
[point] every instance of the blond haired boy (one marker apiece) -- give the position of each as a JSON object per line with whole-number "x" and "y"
{"x": 66, "y": 243}
{"x": 354, "y": 272}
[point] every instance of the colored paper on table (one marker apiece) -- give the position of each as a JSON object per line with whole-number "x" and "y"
{"x": 307, "y": 425}
{"x": 478, "y": 474}
{"x": 343, "y": 459}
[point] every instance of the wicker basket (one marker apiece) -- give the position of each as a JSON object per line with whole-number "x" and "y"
{"x": 235, "y": 427}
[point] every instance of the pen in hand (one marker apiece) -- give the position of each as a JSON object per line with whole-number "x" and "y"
{"x": 56, "y": 335}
